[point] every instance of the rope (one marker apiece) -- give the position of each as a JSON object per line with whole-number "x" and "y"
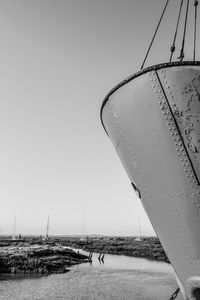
{"x": 172, "y": 49}
{"x": 154, "y": 34}
{"x": 183, "y": 41}
{"x": 195, "y": 28}
{"x": 175, "y": 294}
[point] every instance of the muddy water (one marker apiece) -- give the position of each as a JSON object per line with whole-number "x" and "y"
{"x": 119, "y": 278}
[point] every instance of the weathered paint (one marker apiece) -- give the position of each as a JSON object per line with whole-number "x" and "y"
{"x": 153, "y": 122}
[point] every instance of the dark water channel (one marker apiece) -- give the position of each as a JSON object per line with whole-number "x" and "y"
{"x": 119, "y": 278}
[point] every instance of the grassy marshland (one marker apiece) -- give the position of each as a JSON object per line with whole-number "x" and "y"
{"x": 25, "y": 258}
{"x": 150, "y": 248}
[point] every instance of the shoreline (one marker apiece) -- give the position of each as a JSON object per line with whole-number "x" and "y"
{"x": 43, "y": 259}
{"x": 32, "y": 255}
{"x": 149, "y": 248}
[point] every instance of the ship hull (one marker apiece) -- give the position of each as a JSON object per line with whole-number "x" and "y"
{"x": 153, "y": 121}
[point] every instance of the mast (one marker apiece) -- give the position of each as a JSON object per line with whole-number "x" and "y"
{"x": 138, "y": 238}
{"x": 14, "y": 229}
{"x": 139, "y": 227}
{"x": 83, "y": 227}
{"x": 47, "y": 231}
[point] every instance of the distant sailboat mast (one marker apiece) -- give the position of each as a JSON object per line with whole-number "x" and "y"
{"x": 47, "y": 232}
{"x": 83, "y": 226}
{"x": 139, "y": 228}
{"x": 138, "y": 238}
{"x": 14, "y": 229}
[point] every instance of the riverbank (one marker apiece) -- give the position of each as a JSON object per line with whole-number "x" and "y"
{"x": 119, "y": 277}
{"x": 26, "y": 258}
{"x": 149, "y": 248}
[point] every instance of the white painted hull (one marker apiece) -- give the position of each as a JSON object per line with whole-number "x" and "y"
{"x": 153, "y": 120}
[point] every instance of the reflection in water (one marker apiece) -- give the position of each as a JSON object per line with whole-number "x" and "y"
{"x": 119, "y": 277}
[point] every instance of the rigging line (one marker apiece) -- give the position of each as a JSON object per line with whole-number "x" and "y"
{"x": 183, "y": 41}
{"x": 195, "y": 28}
{"x": 154, "y": 35}
{"x": 172, "y": 49}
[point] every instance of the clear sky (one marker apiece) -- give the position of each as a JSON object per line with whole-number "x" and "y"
{"x": 58, "y": 59}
